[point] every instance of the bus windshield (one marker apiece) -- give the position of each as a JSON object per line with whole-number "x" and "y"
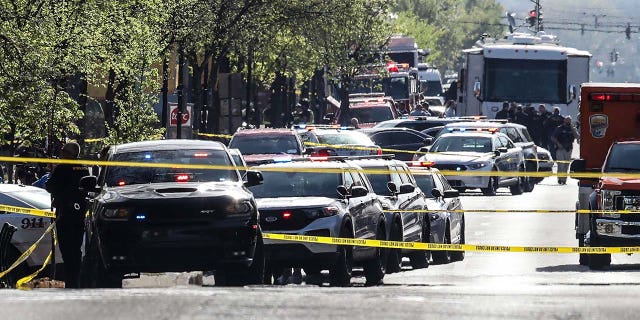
{"x": 524, "y": 81}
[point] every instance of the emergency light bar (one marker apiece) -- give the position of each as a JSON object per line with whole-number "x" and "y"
{"x": 424, "y": 164}
{"x": 463, "y": 129}
{"x": 620, "y": 97}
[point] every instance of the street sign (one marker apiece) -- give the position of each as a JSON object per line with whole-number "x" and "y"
{"x": 186, "y": 116}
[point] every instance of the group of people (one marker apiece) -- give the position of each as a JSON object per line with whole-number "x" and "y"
{"x": 423, "y": 109}
{"x": 550, "y": 130}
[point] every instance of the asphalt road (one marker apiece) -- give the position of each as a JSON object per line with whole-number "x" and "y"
{"x": 484, "y": 285}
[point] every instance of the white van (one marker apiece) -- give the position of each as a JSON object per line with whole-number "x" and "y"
{"x": 430, "y": 80}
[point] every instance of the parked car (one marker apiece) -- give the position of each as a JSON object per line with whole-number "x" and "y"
{"x": 161, "y": 219}
{"x": 263, "y": 145}
{"x": 406, "y": 141}
{"x": 238, "y": 160}
{"x": 340, "y": 141}
{"x": 30, "y": 228}
{"x": 369, "y": 110}
{"x": 419, "y": 123}
{"x": 399, "y": 192}
{"x": 447, "y": 227}
{"x": 479, "y": 151}
{"x": 520, "y": 137}
{"x": 329, "y": 199}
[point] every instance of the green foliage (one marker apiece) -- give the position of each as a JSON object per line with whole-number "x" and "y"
{"x": 447, "y": 26}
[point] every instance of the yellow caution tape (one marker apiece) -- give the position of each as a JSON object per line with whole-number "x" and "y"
{"x": 29, "y": 211}
{"x": 21, "y": 283}
{"x": 215, "y": 135}
{"x": 27, "y": 252}
{"x": 90, "y": 140}
{"x": 448, "y": 247}
{"x": 472, "y": 173}
{"x": 580, "y": 211}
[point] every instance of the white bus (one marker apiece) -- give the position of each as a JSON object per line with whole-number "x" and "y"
{"x": 524, "y": 69}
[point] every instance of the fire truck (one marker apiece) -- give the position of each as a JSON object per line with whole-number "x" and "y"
{"x": 520, "y": 68}
{"x": 609, "y": 122}
{"x": 400, "y": 83}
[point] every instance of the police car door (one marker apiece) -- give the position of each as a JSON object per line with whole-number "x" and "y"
{"x": 410, "y": 202}
{"x": 513, "y": 154}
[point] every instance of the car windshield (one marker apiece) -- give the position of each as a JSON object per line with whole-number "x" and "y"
{"x": 39, "y": 198}
{"x": 345, "y": 137}
{"x": 623, "y": 158}
{"x": 424, "y": 179}
{"x": 264, "y": 144}
{"x": 434, "y": 88}
{"x": 297, "y": 184}
{"x": 120, "y": 176}
{"x": 461, "y": 144}
{"x": 372, "y": 114}
{"x": 379, "y": 181}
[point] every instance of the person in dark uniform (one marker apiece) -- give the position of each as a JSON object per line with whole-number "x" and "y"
{"x": 70, "y": 206}
{"x": 504, "y": 113}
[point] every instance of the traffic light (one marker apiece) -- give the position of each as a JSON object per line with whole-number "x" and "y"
{"x": 533, "y": 17}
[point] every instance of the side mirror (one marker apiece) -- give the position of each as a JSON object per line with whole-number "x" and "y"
{"x": 342, "y": 191}
{"x": 572, "y": 93}
{"x": 88, "y": 184}
{"x": 578, "y": 165}
{"x": 451, "y": 194}
{"x": 503, "y": 150}
{"x": 407, "y": 188}
{"x": 254, "y": 178}
{"x": 436, "y": 193}
{"x": 428, "y": 141}
{"x": 424, "y": 149}
{"x": 477, "y": 89}
{"x": 359, "y": 191}
{"x": 392, "y": 187}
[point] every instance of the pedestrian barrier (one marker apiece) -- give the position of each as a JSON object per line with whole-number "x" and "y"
{"x": 26, "y": 254}
{"x": 446, "y": 247}
{"x": 5, "y": 243}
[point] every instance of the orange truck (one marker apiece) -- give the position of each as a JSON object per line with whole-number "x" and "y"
{"x": 609, "y": 119}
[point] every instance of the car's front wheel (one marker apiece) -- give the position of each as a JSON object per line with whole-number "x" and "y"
{"x": 340, "y": 272}
{"x": 420, "y": 258}
{"x": 394, "y": 257}
{"x": 93, "y": 273}
{"x": 374, "y": 269}
{"x": 492, "y": 187}
{"x": 234, "y": 275}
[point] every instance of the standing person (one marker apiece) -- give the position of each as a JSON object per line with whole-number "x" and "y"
{"x": 563, "y": 138}
{"x": 419, "y": 111}
{"x": 70, "y": 206}
{"x": 553, "y": 122}
{"x": 450, "y": 109}
{"x": 504, "y": 113}
{"x": 535, "y": 125}
{"x": 355, "y": 123}
{"x": 543, "y": 116}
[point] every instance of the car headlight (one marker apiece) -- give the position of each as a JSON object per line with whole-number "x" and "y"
{"x": 607, "y": 200}
{"x": 116, "y": 214}
{"x": 478, "y": 165}
{"x": 240, "y": 208}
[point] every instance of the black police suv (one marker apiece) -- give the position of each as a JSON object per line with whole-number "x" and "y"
{"x": 194, "y": 213}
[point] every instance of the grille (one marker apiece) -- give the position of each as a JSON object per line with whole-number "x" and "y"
{"x": 451, "y": 167}
{"x": 274, "y": 219}
{"x": 633, "y": 203}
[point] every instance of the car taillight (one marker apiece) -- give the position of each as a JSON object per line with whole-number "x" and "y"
{"x": 379, "y": 152}
{"x": 182, "y": 178}
{"x": 328, "y": 211}
{"x": 286, "y": 215}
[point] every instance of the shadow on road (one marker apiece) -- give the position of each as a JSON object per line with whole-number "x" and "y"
{"x": 579, "y": 268}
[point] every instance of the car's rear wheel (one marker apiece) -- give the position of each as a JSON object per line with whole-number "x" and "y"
{"x": 340, "y": 272}
{"x": 375, "y": 268}
{"x": 443, "y": 256}
{"x": 420, "y": 258}
{"x": 598, "y": 261}
{"x": 492, "y": 187}
{"x": 394, "y": 257}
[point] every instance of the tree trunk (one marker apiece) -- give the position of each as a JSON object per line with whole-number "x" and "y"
{"x": 345, "y": 112}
